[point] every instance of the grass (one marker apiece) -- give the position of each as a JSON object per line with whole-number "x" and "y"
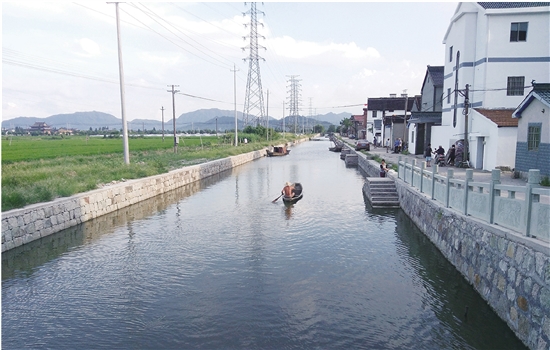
{"x": 36, "y": 170}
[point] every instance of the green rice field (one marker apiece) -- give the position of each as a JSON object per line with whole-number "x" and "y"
{"x": 24, "y": 148}
{"x": 40, "y": 169}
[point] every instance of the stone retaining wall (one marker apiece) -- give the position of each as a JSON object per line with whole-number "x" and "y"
{"x": 510, "y": 271}
{"x": 21, "y": 226}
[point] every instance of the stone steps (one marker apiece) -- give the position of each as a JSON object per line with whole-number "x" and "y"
{"x": 381, "y": 192}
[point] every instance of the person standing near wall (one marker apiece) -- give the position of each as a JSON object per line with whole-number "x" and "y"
{"x": 428, "y": 154}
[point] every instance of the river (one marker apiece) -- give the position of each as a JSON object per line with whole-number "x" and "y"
{"x": 217, "y": 265}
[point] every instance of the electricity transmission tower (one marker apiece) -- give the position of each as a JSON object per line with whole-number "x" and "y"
{"x": 254, "y": 97}
{"x": 294, "y": 100}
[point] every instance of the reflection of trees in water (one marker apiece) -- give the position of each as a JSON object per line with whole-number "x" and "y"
{"x": 25, "y": 258}
{"x": 454, "y": 302}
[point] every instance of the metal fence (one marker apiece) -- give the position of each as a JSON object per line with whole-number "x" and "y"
{"x": 524, "y": 209}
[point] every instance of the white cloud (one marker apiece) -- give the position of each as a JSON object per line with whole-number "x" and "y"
{"x": 89, "y": 46}
{"x": 291, "y": 48}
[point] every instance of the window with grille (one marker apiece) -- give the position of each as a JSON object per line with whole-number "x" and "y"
{"x": 515, "y": 86}
{"x": 449, "y": 95}
{"x": 518, "y": 31}
{"x": 533, "y": 137}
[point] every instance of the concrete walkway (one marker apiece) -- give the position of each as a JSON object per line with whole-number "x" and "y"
{"x": 459, "y": 173}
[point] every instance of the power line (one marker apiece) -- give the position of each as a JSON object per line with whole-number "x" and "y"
{"x": 150, "y": 14}
{"x": 176, "y": 44}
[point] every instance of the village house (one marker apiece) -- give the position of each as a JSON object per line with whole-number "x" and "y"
{"x": 385, "y": 117}
{"x": 359, "y": 126}
{"x": 421, "y": 121}
{"x": 533, "y": 137}
{"x": 493, "y": 50}
{"x": 40, "y": 128}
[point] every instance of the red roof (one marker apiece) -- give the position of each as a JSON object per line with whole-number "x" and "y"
{"x": 501, "y": 117}
{"x": 358, "y": 118}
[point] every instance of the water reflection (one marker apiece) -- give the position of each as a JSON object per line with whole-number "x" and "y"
{"x": 464, "y": 312}
{"x": 23, "y": 259}
{"x": 288, "y": 211}
{"x": 227, "y": 268}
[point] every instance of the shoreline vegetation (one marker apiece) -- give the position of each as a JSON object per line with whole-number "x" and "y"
{"x": 37, "y": 169}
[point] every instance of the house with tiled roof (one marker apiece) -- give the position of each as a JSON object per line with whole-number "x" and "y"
{"x": 422, "y": 121}
{"x": 533, "y": 136}
{"x": 493, "y": 50}
{"x": 359, "y": 126}
{"x": 385, "y": 116}
{"x": 40, "y": 128}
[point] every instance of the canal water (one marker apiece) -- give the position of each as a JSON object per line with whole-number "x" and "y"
{"x": 217, "y": 265}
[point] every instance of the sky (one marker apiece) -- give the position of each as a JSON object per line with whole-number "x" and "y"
{"x": 62, "y": 57}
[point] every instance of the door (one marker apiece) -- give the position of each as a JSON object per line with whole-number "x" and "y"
{"x": 480, "y": 152}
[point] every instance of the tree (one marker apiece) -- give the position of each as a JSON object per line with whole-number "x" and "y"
{"x": 346, "y": 124}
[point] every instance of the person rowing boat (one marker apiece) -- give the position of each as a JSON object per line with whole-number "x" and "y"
{"x": 288, "y": 190}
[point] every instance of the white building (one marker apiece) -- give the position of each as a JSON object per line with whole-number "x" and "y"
{"x": 497, "y": 49}
{"x": 385, "y": 117}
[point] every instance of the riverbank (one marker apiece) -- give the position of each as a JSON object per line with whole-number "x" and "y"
{"x": 509, "y": 270}
{"x": 24, "y": 225}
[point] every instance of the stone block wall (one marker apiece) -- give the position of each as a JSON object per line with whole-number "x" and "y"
{"x": 21, "y": 226}
{"x": 510, "y": 271}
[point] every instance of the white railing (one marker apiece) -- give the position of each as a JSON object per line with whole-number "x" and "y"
{"x": 518, "y": 208}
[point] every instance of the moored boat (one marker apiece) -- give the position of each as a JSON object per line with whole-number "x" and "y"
{"x": 278, "y": 151}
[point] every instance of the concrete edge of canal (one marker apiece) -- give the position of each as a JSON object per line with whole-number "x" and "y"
{"x": 24, "y": 225}
{"x": 511, "y": 272}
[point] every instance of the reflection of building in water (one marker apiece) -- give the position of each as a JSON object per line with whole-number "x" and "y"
{"x": 38, "y": 252}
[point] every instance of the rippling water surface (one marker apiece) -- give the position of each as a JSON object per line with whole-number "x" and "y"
{"x": 217, "y": 265}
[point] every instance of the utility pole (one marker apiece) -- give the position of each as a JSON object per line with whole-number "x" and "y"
{"x": 267, "y": 116}
{"x": 310, "y": 114}
{"x": 162, "y": 109}
{"x": 283, "y": 119}
{"x": 122, "y": 103}
{"x": 235, "y": 101}
{"x": 405, "y": 119}
{"x": 174, "y": 115}
{"x": 466, "y": 106}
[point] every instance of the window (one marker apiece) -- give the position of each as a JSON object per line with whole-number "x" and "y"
{"x": 374, "y": 114}
{"x": 450, "y": 54}
{"x": 518, "y": 31}
{"x": 449, "y": 95}
{"x": 533, "y": 137}
{"x": 515, "y": 86}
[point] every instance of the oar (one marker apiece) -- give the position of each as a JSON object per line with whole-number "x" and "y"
{"x": 276, "y": 199}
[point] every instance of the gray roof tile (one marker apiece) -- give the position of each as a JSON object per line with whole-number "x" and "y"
{"x": 511, "y": 5}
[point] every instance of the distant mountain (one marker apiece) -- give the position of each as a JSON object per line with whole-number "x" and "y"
{"x": 204, "y": 115}
{"x": 78, "y": 120}
{"x": 334, "y": 118}
{"x": 197, "y": 120}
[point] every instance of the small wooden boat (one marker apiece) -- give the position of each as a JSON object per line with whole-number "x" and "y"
{"x": 278, "y": 151}
{"x": 298, "y": 194}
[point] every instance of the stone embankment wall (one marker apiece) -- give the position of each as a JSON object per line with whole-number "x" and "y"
{"x": 510, "y": 271}
{"x": 21, "y": 226}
